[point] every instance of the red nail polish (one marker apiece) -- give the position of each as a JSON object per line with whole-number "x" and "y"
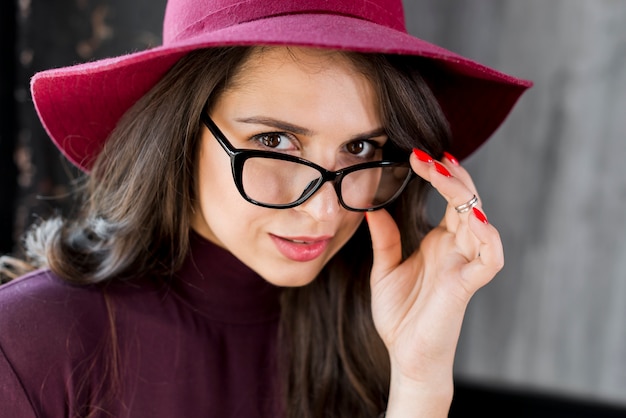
{"x": 451, "y": 158}
{"x": 441, "y": 169}
{"x": 422, "y": 156}
{"x": 480, "y": 216}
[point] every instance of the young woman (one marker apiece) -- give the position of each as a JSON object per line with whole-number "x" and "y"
{"x": 252, "y": 239}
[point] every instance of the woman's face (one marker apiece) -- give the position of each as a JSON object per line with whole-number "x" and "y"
{"x": 309, "y": 103}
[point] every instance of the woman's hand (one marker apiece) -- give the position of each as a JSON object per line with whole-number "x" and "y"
{"x": 418, "y": 304}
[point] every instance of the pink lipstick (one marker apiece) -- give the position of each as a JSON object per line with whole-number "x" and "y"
{"x": 301, "y": 248}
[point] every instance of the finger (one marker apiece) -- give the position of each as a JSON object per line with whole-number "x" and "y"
{"x": 455, "y": 190}
{"x": 422, "y": 162}
{"x": 490, "y": 260}
{"x": 458, "y": 171}
{"x": 386, "y": 243}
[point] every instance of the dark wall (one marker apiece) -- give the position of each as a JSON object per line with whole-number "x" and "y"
{"x": 53, "y": 34}
{"x": 8, "y": 172}
{"x": 484, "y": 401}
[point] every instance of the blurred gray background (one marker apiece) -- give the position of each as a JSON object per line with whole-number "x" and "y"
{"x": 552, "y": 178}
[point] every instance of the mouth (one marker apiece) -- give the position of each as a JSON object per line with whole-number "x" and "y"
{"x": 301, "y": 249}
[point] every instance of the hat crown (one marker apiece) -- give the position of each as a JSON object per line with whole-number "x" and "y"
{"x": 185, "y": 19}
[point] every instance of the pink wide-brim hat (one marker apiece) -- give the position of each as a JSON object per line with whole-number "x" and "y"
{"x": 80, "y": 105}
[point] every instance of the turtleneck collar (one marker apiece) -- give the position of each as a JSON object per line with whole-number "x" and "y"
{"x": 214, "y": 283}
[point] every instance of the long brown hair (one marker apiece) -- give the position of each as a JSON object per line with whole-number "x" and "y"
{"x": 333, "y": 362}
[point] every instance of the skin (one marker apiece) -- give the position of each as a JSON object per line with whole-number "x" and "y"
{"x": 313, "y": 90}
{"x": 418, "y": 304}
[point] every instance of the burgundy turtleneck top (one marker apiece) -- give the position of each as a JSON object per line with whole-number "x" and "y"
{"x": 202, "y": 344}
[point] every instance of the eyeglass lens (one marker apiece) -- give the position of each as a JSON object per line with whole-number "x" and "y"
{"x": 276, "y": 182}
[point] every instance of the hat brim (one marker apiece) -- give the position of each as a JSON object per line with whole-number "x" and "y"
{"x": 80, "y": 105}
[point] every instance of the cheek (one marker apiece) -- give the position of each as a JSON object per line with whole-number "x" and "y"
{"x": 215, "y": 181}
{"x": 218, "y": 200}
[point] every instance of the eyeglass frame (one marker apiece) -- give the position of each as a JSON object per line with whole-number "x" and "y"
{"x": 239, "y": 156}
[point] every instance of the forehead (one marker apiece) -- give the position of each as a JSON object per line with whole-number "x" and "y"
{"x": 311, "y": 60}
{"x": 290, "y": 63}
{"x": 306, "y": 78}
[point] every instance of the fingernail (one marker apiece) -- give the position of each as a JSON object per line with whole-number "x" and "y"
{"x": 422, "y": 156}
{"x": 441, "y": 169}
{"x": 451, "y": 157}
{"x": 480, "y": 216}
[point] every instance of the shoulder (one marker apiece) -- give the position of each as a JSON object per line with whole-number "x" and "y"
{"x": 41, "y": 314}
{"x": 46, "y": 326}
{"x": 42, "y": 310}
{"x": 42, "y": 296}
{"x": 43, "y": 305}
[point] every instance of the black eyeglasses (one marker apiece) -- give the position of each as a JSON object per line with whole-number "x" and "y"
{"x": 280, "y": 181}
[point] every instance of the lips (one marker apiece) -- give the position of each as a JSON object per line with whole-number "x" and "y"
{"x": 301, "y": 249}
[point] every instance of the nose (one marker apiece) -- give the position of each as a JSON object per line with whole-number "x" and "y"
{"x": 323, "y": 205}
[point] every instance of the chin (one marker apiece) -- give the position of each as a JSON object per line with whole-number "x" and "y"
{"x": 298, "y": 279}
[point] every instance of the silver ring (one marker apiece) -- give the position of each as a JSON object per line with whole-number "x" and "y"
{"x": 465, "y": 207}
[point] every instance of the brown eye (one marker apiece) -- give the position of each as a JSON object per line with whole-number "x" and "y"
{"x": 276, "y": 141}
{"x": 362, "y": 149}
{"x": 271, "y": 140}
{"x": 355, "y": 147}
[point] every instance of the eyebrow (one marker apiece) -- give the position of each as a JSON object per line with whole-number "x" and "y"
{"x": 290, "y": 127}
